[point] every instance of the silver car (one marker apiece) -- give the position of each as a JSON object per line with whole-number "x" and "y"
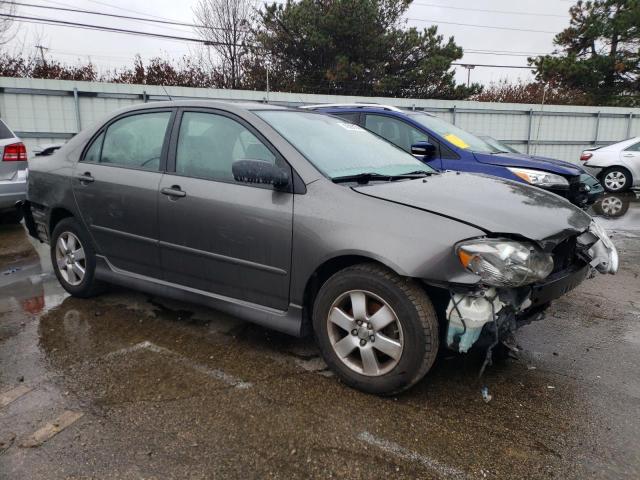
{"x": 13, "y": 175}
{"x": 305, "y": 223}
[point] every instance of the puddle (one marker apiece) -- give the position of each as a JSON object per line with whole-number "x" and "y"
{"x": 619, "y": 211}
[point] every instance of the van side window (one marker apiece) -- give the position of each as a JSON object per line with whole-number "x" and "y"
{"x": 352, "y": 117}
{"x": 396, "y": 131}
{"x": 136, "y": 141}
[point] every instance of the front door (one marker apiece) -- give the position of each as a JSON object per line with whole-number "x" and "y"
{"x": 116, "y": 188}
{"x": 218, "y": 235}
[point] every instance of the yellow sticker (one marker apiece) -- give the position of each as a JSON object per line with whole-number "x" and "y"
{"x": 457, "y": 141}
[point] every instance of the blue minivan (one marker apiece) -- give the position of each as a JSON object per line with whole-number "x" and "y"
{"x": 444, "y": 146}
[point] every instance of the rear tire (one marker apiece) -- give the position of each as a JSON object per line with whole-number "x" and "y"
{"x": 616, "y": 179}
{"x": 397, "y": 341}
{"x": 74, "y": 259}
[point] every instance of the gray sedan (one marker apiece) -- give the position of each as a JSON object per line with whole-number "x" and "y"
{"x": 305, "y": 223}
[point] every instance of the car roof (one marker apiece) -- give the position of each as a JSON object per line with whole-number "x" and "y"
{"x": 247, "y": 106}
{"x": 356, "y": 108}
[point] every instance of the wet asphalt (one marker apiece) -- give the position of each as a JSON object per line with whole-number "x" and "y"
{"x": 161, "y": 389}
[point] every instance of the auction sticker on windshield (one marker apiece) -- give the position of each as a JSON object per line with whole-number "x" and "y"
{"x": 456, "y": 140}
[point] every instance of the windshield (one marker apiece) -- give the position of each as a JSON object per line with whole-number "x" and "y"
{"x": 338, "y": 148}
{"x": 498, "y": 145}
{"x": 454, "y": 135}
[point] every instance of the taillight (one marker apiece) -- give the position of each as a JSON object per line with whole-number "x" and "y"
{"x": 586, "y": 156}
{"x": 16, "y": 152}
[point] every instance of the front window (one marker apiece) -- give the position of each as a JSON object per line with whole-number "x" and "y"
{"x": 209, "y": 144}
{"x": 454, "y": 135}
{"x": 338, "y": 148}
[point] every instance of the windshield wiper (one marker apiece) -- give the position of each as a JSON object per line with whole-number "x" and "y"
{"x": 366, "y": 177}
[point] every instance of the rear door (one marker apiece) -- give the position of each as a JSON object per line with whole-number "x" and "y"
{"x": 116, "y": 188}
{"x": 402, "y": 134}
{"x": 216, "y": 234}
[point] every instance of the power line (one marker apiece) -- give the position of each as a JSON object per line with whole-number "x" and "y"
{"x": 491, "y": 66}
{"x": 112, "y": 15}
{"x": 65, "y": 23}
{"x": 505, "y": 12}
{"x": 513, "y": 29}
{"x": 505, "y": 54}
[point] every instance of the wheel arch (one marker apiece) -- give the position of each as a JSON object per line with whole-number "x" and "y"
{"x": 326, "y": 270}
{"x": 56, "y": 215}
{"x": 602, "y": 172}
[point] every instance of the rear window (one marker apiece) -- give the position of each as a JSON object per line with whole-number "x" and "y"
{"x": 5, "y": 132}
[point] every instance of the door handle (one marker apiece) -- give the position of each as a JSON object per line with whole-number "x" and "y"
{"x": 628, "y": 155}
{"x": 174, "y": 191}
{"x": 85, "y": 178}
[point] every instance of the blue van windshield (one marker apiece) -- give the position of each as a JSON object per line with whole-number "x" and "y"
{"x": 454, "y": 135}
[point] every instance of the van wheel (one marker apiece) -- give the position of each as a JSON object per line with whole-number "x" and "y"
{"x": 376, "y": 330}
{"x": 616, "y": 179}
{"x": 74, "y": 259}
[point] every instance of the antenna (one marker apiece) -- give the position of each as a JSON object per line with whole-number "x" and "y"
{"x": 165, "y": 92}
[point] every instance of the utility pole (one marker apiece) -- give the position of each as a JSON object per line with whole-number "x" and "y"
{"x": 267, "y": 83}
{"x": 469, "y": 68}
{"x": 42, "y": 49}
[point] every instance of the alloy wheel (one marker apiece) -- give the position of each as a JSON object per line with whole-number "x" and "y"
{"x": 615, "y": 180}
{"x": 365, "y": 333}
{"x": 611, "y": 206}
{"x": 70, "y": 258}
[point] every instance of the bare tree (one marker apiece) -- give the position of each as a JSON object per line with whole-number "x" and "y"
{"x": 6, "y": 22}
{"x": 225, "y": 26}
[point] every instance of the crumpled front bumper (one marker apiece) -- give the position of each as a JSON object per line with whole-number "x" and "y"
{"x": 496, "y": 312}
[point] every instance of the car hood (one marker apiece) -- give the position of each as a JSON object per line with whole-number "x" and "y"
{"x": 494, "y": 205}
{"x": 529, "y": 161}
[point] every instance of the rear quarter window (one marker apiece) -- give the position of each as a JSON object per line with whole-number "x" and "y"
{"x": 5, "y": 132}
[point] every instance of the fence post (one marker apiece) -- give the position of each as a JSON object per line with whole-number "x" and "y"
{"x": 629, "y": 124}
{"x": 453, "y": 113}
{"x": 76, "y": 101}
{"x": 530, "y": 129}
{"x": 145, "y": 98}
{"x": 595, "y": 142}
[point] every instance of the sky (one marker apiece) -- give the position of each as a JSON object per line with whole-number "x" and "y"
{"x": 527, "y": 27}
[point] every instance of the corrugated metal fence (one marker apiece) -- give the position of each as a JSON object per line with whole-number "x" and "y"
{"x": 50, "y": 111}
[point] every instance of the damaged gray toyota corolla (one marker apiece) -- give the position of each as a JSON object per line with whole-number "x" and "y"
{"x": 304, "y": 223}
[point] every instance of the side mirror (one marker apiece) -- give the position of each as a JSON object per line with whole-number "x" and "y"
{"x": 259, "y": 171}
{"x": 423, "y": 149}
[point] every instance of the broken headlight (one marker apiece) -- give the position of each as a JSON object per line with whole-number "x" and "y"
{"x": 501, "y": 262}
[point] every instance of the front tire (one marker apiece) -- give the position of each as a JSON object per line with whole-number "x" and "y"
{"x": 616, "y": 179}
{"x": 74, "y": 259}
{"x": 376, "y": 330}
